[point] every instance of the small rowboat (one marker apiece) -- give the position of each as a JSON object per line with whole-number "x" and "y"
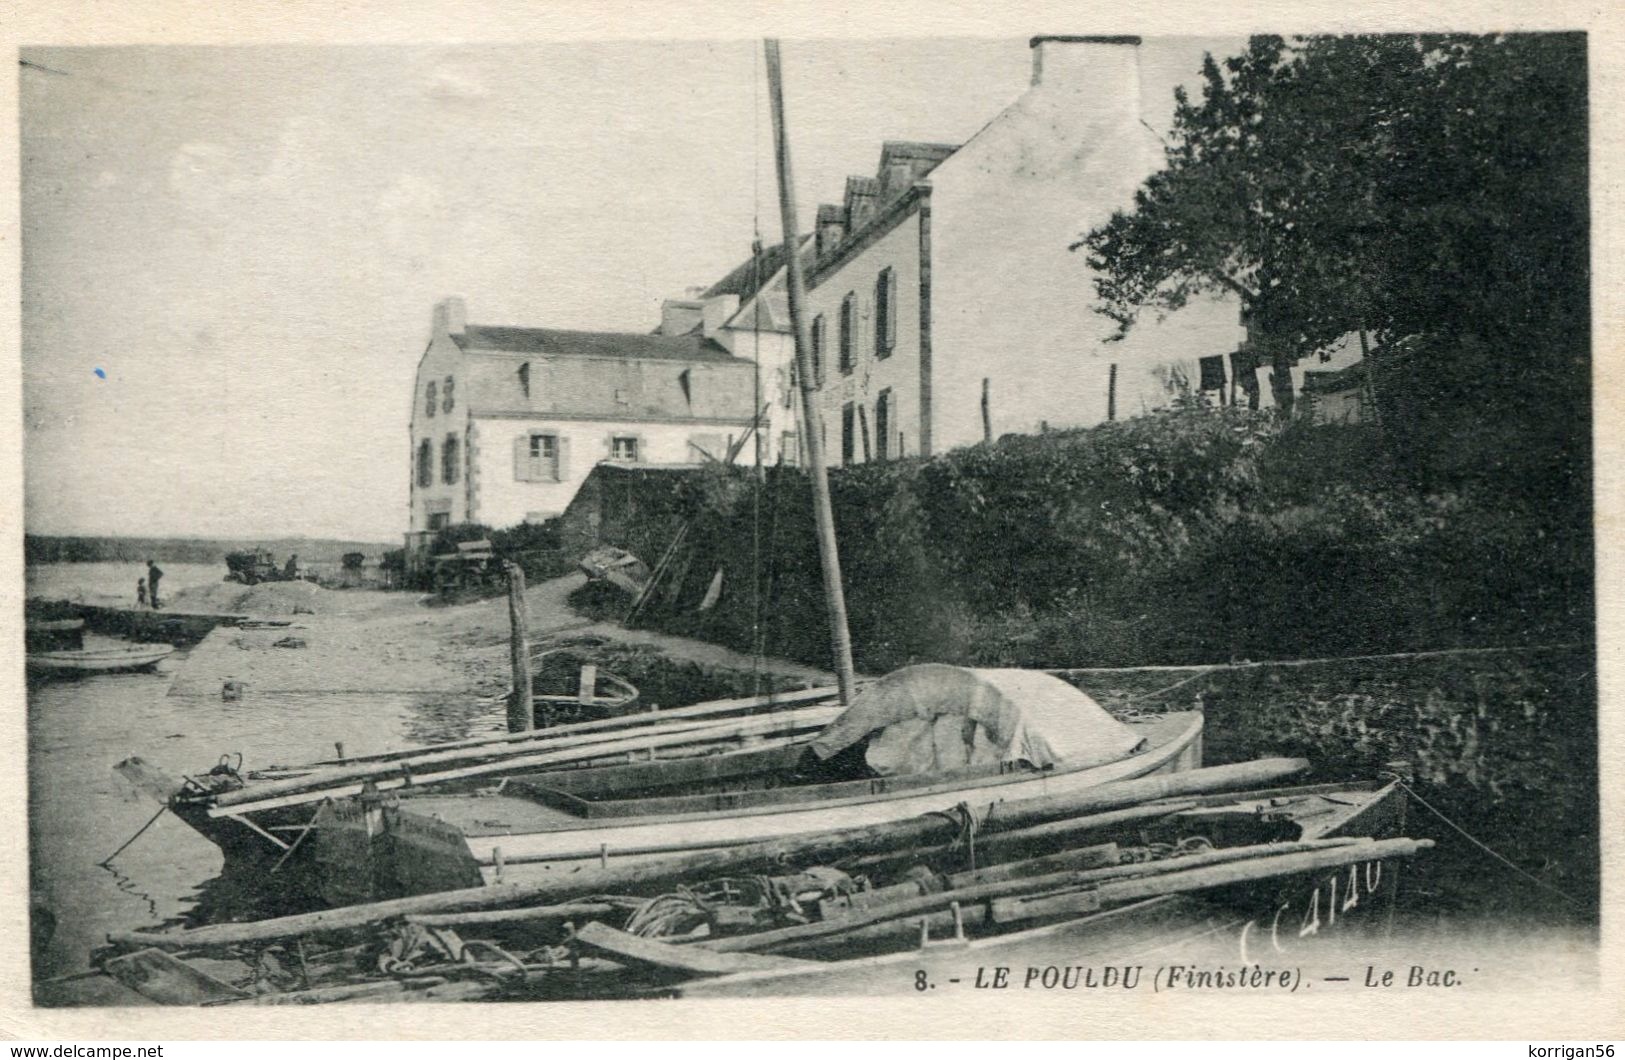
{"x": 60, "y": 634}
{"x": 99, "y": 660}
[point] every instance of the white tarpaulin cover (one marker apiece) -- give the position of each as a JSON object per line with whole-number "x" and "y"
{"x": 933, "y": 717}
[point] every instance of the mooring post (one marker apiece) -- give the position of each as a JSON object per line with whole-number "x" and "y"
{"x": 520, "y": 716}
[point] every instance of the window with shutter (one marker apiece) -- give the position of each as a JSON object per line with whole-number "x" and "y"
{"x": 449, "y": 401}
{"x": 429, "y": 401}
{"x": 450, "y": 460}
{"x": 848, "y": 433}
{"x": 885, "y": 312}
{"x": 541, "y": 452}
{"x": 848, "y": 319}
{"x": 425, "y": 464}
{"x": 819, "y": 330}
{"x": 882, "y": 425}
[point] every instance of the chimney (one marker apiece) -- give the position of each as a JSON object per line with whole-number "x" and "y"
{"x": 679, "y": 316}
{"x": 1106, "y": 68}
{"x": 450, "y": 317}
{"x": 716, "y": 312}
{"x": 831, "y": 228}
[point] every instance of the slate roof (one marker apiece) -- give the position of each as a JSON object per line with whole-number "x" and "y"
{"x": 743, "y": 282}
{"x": 479, "y": 338}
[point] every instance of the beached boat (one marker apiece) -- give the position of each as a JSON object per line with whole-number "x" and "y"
{"x": 911, "y": 741}
{"x": 1118, "y": 874}
{"x": 99, "y": 660}
{"x": 1242, "y": 877}
{"x": 54, "y": 634}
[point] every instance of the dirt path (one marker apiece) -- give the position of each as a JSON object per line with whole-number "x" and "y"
{"x": 403, "y": 643}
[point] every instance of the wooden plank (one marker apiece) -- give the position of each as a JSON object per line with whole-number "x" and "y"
{"x": 566, "y": 911}
{"x": 168, "y": 980}
{"x": 714, "y": 709}
{"x": 605, "y": 941}
{"x": 1001, "y": 888}
{"x": 1208, "y": 876}
{"x": 251, "y": 800}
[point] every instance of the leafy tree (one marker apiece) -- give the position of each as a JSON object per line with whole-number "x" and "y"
{"x": 1398, "y": 186}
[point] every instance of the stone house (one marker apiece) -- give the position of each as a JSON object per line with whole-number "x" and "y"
{"x": 507, "y": 421}
{"x": 946, "y": 304}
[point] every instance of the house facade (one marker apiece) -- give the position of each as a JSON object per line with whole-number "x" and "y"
{"x": 946, "y": 305}
{"x": 507, "y": 422}
{"x": 753, "y": 307}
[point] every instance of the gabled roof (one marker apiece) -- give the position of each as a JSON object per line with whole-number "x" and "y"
{"x": 745, "y": 280}
{"x": 479, "y": 338}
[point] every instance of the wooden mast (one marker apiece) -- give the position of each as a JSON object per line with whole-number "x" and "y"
{"x": 812, "y": 435}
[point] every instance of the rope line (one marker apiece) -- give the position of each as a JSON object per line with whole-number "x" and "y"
{"x": 1182, "y": 682}
{"x": 1265, "y": 663}
{"x": 1532, "y": 878}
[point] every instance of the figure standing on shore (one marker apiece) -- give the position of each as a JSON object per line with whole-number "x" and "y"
{"x": 153, "y": 575}
{"x": 141, "y": 592}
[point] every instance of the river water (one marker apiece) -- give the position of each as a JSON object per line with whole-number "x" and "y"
{"x": 80, "y": 811}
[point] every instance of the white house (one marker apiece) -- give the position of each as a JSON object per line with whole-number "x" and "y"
{"x": 507, "y": 421}
{"x": 946, "y": 304}
{"x": 753, "y": 306}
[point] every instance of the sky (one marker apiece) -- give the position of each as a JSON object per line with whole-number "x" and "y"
{"x": 230, "y": 254}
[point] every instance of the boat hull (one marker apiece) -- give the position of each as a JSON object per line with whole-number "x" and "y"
{"x": 1242, "y": 925}
{"x": 414, "y": 844}
{"x": 98, "y": 661}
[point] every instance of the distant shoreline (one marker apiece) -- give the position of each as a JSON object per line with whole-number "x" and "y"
{"x": 50, "y": 548}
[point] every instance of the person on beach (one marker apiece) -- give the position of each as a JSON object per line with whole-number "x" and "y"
{"x": 153, "y": 574}
{"x": 141, "y": 592}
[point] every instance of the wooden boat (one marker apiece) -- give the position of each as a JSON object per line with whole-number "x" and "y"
{"x": 865, "y": 911}
{"x": 54, "y": 634}
{"x": 99, "y": 660}
{"x": 1272, "y": 859}
{"x": 451, "y": 818}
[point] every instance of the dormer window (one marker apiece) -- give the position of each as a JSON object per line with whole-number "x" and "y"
{"x": 430, "y": 399}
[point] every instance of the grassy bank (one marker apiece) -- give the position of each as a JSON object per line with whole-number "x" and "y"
{"x": 1503, "y": 744}
{"x": 1182, "y": 537}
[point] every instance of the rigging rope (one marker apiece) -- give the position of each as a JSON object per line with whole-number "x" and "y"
{"x": 1497, "y": 855}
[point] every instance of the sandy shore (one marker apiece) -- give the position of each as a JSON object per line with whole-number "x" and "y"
{"x": 364, "y": 641}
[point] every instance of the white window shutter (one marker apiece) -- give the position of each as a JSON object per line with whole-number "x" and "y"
{"x": 561, "y": 446}
{"x": 521, "y": 458}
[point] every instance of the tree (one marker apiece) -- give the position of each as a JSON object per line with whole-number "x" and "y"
{"x": 1401, "y": 186}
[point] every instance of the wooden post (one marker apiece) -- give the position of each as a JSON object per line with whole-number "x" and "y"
{"x": 987, "y": 413}
{"x": 520, "y": 716}
{"x": 1111, "y": 393}
{"x": 834, "y": 595}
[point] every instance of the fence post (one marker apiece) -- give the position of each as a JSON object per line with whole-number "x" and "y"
{"x": 520, "y": 711}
